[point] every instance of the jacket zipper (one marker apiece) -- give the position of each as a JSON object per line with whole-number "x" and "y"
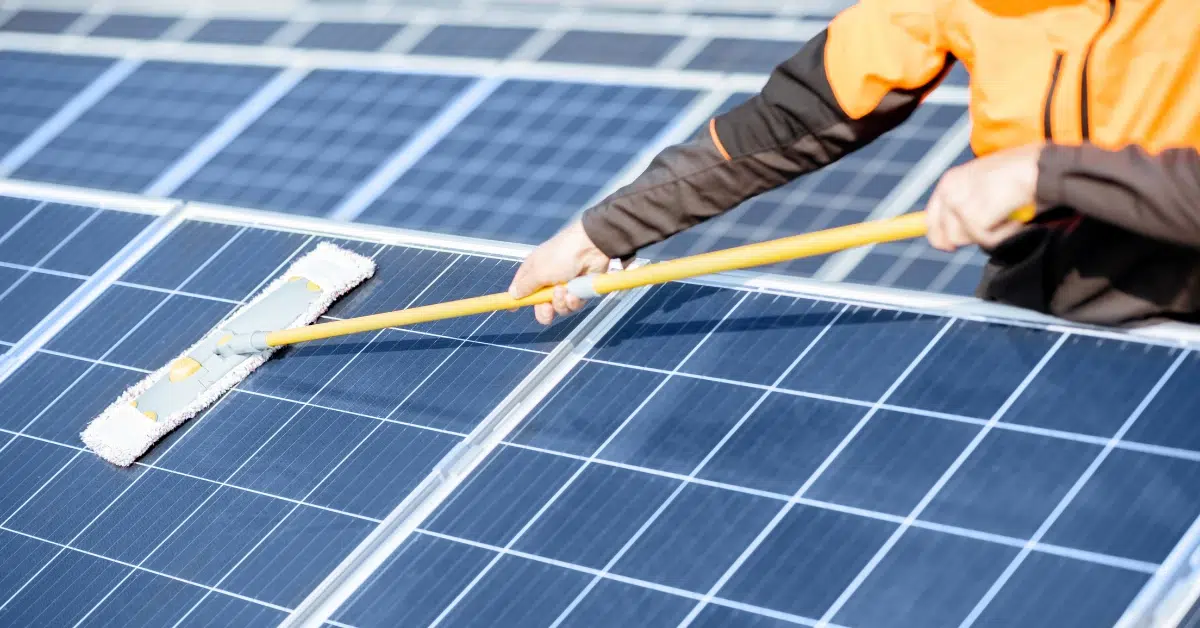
{"x": 1047, "y": 120}
{"x": 1085, "y": 125}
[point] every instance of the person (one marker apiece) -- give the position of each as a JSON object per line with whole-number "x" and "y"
{"x": 1087, "y": 109}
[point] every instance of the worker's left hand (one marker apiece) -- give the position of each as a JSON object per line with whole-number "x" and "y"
{"x": 972, "y": 202}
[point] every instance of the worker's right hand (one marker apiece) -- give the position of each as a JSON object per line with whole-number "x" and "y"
{"x": 567, "y": 255}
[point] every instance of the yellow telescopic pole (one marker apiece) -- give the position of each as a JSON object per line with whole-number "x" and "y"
{"x": 751, "y": 255}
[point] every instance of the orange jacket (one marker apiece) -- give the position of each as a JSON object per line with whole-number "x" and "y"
{"x": 1109, "y": 72}
{"x": 1112, "y": 88}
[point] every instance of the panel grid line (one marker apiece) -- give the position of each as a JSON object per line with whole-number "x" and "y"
{"x": 24, "y": 219}
{"x": 697, "y": 469}
{"x": 812, "y": 479}
{"x": 934, "y": 490}
{"x": 1073, "y": 492}
{"x": 578, "y": 472}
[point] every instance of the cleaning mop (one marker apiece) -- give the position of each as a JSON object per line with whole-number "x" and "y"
{"x": 167, "y": 398}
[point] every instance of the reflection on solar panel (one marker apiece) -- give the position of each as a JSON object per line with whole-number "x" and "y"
{"x": 143, "y": 125}
{"x": 842, "y": 193}
{"x": 322, "y": 139}
{"x": 527, "y": 158}
{"x": 725, "y": 456}
{"x": 47, "y": 251}
{"x": 36, "y": 86}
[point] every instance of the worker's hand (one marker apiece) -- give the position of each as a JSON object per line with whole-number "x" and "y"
{"x": 972, "y": 202}
{"x": 567, "y": 255}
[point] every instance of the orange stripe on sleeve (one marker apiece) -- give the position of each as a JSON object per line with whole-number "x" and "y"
{"x": 712, "y": 132}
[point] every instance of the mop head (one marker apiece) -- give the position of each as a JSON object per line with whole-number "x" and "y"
{"x": 127, "y": 429}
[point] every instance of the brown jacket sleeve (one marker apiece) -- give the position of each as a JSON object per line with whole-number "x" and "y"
{"x": 1153, "y": 195}
{"x": 853, "y": 82}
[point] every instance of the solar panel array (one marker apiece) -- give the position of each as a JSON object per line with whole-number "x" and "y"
{"x": 504, "y": 157}
{"x": 715, "y": 456}
{"x": 700, "y": 454}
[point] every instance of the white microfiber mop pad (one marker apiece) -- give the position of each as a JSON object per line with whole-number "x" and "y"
{"x": 121, "y": 434}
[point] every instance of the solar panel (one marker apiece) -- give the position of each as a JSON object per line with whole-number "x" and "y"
{"x": 608, "y": 48}
{"x": 839, "y": 194}
{"x": 321, "y": 140}
{"x": 47, "y": 251}
{"x": 32, "y": 21}
{"x": 133, "y": 26}
{"x": 241, "y": 512}
{"x": 349, "y": 36}
{"x": 526, "y": 159}
{"x": 236, "y": 31}
{"x": 727, "y": 54}
{"x": 36, "y": 86}
{"x": 745, "y": 458}
{"x": 454, "y": 40}
{"x": 146, "y": 123}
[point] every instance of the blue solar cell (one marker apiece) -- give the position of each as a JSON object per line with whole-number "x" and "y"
{"x": 782, "y": 443}
{"x": 178, "y": 323}
{"x": 23, "y": 557}
{"x": 1011, "y": 483}
{"x": 616, "y": 604}
{"x": 1165, "y": 420}
{"x": 454, "y": 40}
{"x": 714, "y": 616}
{"x": 519, "y": 592}
{"x": 1093, "y": 385}
{"x": 68, "y": 503}
{"x": 929, "y": 579}
{"x": 55, "y": 597}
{"x": 218, "y": 535}
{"x": 12, "y": 211}
{"x": 297, "y": 555}
{"x": 36, "y": 87}
{"x": 31, "y": 21}
{"x": 105, "y": 322}
{"x": 958, "y": 77}
{"x": 28, "y": 302}
{"x": 216, "y": 446}
{"x": 595, "y": 515}
{"x": 1128, "y": 490}
{"x": 219, "y": 611}
{"x": 133, "y": 26}
{"x": 97, "y": 242}
{"x": 697, "y": 537}
{"x": 155, "y": 506}
{"x": 144, "y": 125}
{"x": 26, "y": 465}
{"x": 823, "y": 549}
{"x": 609, "y": 48}
{"x": 243, "y": 268}
{"x": 415, "y": 584}
{"x": 679, "y": 424}
{"x": 42, "y": 233}
{"x": 842, "y": 193}
{"x": 322, "y": 139}
{"x": 389, "y": 465}
{"x": 893, "y": 461}
{"x": 580, "y": 426}
{"x": 148, "y": 600}
{"x": 974, "y": 369}
{"x": 349, "y": 36}
{"x": 527, "y": 159}
{"x": 727, "y": 54}
{"x": 39, "y": 382}
{"x": 180, "y": 254}
{"x": 66, "y": 417}
{"x": 1050, "y": 591}
{"x": 231, "y": 31}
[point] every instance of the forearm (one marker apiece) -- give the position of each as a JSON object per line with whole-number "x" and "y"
{"x": 1154, "y": 195}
